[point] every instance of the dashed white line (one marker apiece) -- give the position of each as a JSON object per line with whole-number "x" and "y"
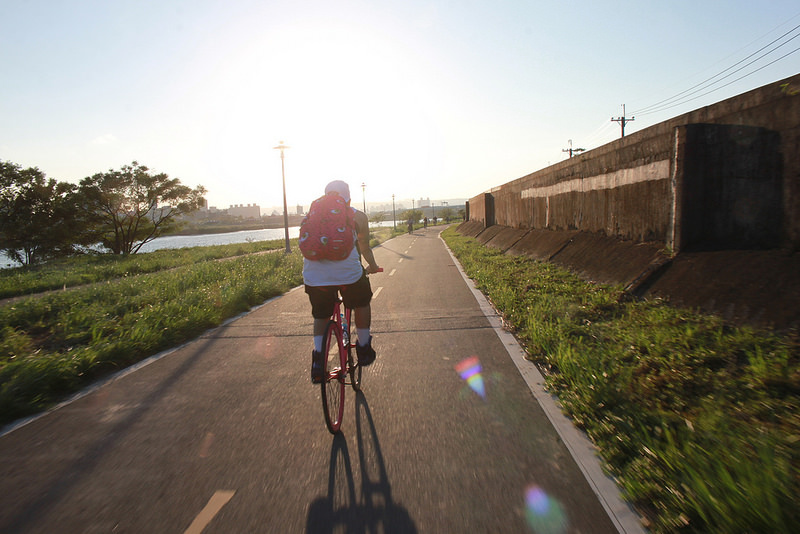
{"x": 377, "y": 291}
{"x": 215, "y": 504}
{"x": 400, "y": 260}
{"x": 393, "y": 271}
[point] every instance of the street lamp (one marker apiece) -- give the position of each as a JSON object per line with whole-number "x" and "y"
{"x": 282, "y": 147}
{"x": 364, "y": 195}
{"x": 394, "y": 217}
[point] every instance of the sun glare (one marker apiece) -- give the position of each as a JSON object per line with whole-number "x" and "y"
{"x": 348, "y": 103}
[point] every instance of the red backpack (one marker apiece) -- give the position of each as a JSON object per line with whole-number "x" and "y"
{"x": 328, "y": 230}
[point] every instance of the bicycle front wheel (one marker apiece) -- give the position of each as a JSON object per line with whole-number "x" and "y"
{"x": 334, "y": 373}
{"x": 350, "y": 348}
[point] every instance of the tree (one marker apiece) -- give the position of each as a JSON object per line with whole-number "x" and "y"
{"x": 446, "y": 213}
{"x": 415, "y": 214}
{"x": 39, "y": 218}
{"x": 377, "y": 217}
{"x": 134, "y": 206}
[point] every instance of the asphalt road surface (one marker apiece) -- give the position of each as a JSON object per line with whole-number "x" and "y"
{"x": 226, "y": 434}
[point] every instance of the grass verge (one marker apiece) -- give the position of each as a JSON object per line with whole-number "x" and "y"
{"x": 53, "y": 345}
{"x": 697, "y": 420}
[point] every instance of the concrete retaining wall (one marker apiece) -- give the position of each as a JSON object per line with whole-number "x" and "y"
{"x": 721, "y": 176}
{"x": 703, "y": 209}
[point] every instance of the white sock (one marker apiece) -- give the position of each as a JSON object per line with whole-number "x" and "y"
{"x": 318, "y": 340}
{"x": 363, "y": 336}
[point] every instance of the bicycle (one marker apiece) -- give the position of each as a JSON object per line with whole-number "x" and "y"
{"x": 338, "y": 365}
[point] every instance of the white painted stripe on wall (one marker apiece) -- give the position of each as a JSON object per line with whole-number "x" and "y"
{"x": 658, "y": 170}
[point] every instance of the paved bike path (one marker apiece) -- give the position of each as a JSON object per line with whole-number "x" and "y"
{"x": 226, "y": 434}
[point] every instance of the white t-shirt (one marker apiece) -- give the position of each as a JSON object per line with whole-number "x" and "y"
{"x": 334, "y": 273}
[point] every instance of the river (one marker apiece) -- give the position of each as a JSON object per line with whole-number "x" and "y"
{"x": 202, "y": 240}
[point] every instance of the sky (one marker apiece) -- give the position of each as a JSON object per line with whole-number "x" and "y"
{"x": 439, "y": 100}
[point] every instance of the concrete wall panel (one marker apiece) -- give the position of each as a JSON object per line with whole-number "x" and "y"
{"x": 506, "y": 238}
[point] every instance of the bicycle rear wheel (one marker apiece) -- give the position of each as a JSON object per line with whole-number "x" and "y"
{"x": 355, "y": 370}
{"x": 334, "y": 373}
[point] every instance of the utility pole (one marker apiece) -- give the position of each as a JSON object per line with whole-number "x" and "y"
{"x": 364, "y": 195}
{"x": 283, "y": 147}
{"x": 622, "y": 120}
{"x": 571, "y": 150}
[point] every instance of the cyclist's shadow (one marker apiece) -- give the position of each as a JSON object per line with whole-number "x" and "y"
{"x": 371, "y": 511}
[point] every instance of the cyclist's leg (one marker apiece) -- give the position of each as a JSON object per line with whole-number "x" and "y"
{"x": 322, "y": 300}
{"x": 357, "y": 296}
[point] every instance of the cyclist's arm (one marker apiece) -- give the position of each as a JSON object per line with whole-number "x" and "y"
{"x": 362, "y": 232}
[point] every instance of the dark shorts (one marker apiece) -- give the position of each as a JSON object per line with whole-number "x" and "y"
{"x": 356, "y": 295}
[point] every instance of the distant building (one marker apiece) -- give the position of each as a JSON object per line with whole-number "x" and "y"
{"x": 423, "y": 203}
{"x": 251, "y": 211}
{"x": 300, "y": 209}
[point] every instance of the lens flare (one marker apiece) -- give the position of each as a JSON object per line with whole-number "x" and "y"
{"x": 470, "y": 370}
{"x": 544, "y": 513}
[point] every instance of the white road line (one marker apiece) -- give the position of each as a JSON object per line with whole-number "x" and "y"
{"x": 400, "y": 260}
{"x": 205, "y": 446}
{"x": 377, "y": 291}
{"x": 393, "y": 271}
{"x": 215, "y": 504}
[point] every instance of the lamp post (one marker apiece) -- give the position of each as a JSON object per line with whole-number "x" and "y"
{"x": 394, "y": 217}
{"x": 364, "y": 195}
{"x": 282, "y": 147}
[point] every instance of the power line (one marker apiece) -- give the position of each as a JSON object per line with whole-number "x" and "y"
{"x": 682, "y": 97}
{"x": 661, "y": 105}
{"x": 721, "y": 86}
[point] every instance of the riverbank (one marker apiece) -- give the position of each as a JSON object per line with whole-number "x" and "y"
{"x": 218, "y": 227}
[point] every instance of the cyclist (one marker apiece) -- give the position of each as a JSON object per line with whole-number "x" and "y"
{"x": 325, "y": 279}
